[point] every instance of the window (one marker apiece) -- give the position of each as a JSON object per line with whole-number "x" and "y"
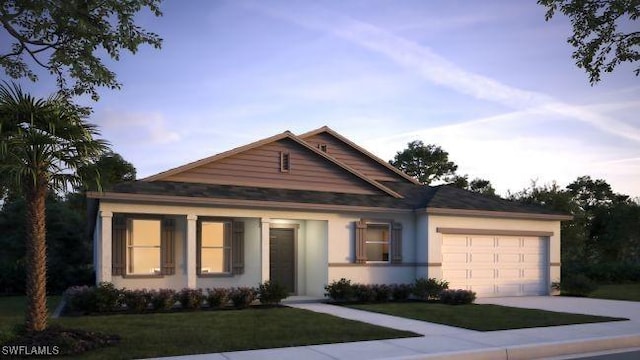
{"x": 285, "y": 162}
{"x": 215, "y": 247}
{"x": 143, "y": 247}
{"x": 377, "y": 240}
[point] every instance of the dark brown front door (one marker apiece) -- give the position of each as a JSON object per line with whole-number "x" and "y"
{"x": 282, "y": 258}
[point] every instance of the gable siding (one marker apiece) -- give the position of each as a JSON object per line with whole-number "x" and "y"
{"x": 347, "y": 155}
{"x": 261, "y": 167}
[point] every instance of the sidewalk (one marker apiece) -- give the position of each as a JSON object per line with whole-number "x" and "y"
{"x": 446, "y": 342}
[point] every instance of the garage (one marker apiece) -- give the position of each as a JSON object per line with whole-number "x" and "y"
{"x": 496, "y": 265}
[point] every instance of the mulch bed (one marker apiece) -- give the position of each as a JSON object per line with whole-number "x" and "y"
{"x": 62, "y": 341}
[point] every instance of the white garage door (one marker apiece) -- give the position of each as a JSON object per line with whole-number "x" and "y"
{"x": 496, "y": 265}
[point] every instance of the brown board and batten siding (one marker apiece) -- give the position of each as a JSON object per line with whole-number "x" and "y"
{"x": 355, "y": 159}
{"x": 260, "y": 167}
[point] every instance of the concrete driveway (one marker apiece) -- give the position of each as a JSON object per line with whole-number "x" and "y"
{"x": 613, "y": 308}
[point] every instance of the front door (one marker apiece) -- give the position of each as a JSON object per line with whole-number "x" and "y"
{"x": 282, "y": 258}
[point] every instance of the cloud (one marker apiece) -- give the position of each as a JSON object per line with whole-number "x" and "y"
{"x": 438, "y": 70}
{"x": 136, "y": 127}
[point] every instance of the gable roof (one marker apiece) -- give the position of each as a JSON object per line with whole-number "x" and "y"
{"x": 389, "y": 195}
{"x": 163, "y": 176}
{"x": 365, "y": 153}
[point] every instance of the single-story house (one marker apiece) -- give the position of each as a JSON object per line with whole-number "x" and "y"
{"x": 305, "y": 210}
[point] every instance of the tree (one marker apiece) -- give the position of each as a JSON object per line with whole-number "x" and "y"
{"x": 108, "y": 170}
{"x": 482, "y": 186}
{"x": 69, "y": 247}
{"x": 68, "y": 38}
{"x": 426, "y": 163}
{"x": 42, "y": 143}
{"x": 574, "y": 234}
{"x": 477, "y": 185}
{"x": 590, "y": 194}
{"x": 598, "y": 33}
{"x": 460, "y": 181}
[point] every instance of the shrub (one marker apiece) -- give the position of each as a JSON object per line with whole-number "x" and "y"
{"x": 429, "y": 288}
{"x": 217, "y": 297}
{"x": 271, "y": 292}
{"x": 80, "y": 299}
{"x": 577, "y": 285}
{"x": 163, "y": 299}
{"x": 136, "y": 300}
{"x": 107, "y": 297}
{"x": 242, "y": 297}
{"x": 615, "y": 273}
{"x": 401, "y": 292}
{"x": 457, "y": 297}
{"x": 190, "y": 299}
{"x": 364, "y": 293}
{"x": 340, "y": 290}
{"x": 381, "y": 292}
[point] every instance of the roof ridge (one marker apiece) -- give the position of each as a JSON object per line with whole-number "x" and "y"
{"x": 358, "y": 148}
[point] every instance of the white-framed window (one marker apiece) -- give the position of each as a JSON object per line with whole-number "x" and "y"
{"x": 377, "y": 242}
{"x": 214, "y": 246}
{"x": 143, "y": 245}
{"x": 144, "y": 238}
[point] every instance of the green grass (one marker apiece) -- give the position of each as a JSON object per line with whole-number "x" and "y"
{"x": 628, "y": 292}
{"x": 480, "y": 317}
{"x": 12, "y": 309}
{"x": 181, "y": 333}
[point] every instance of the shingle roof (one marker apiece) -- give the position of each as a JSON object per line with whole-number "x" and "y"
{"x": 415, "y": 196}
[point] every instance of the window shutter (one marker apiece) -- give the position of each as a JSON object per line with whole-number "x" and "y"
{"x": 118, "y": 245}
{"x": 361, "y": 242}
{"x": 396, "y": 242}
{"x": 168, "y": 247}
{"x": 237, "y": 248}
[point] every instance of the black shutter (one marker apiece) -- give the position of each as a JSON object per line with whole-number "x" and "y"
{"x": 361, "y": 241}
{"x": 237, "y": 248}
{"x": 118, "y": 245}
{"x": 168, "y": 247}
{"x": 396, "y": 243}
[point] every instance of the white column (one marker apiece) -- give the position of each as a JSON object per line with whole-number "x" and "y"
{"x": 191, "y": 251}
{"x": 103, "y": 266}
{"x": 264, "y": 237}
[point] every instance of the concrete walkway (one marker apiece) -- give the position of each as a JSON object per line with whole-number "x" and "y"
{"x": 446, "y": 342}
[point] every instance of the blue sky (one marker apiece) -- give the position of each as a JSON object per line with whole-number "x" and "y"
{"x": 491, "y": 82}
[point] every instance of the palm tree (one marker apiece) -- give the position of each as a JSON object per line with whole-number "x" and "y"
{"x": 42, "y": 144}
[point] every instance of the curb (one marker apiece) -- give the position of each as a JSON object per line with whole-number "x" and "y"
{"x": 537, "y": 351}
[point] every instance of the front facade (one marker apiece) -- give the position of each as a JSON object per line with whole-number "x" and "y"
{"x": 304, "y": 210}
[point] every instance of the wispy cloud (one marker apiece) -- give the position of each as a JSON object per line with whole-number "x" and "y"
{"x": 136, "y": 127}
{"x": 438, "y": 70}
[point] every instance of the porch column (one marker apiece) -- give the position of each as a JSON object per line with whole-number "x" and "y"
{"x": 103, "y": 265}
{"x": 191, "y": 251}
{"x": 264, "y": 257}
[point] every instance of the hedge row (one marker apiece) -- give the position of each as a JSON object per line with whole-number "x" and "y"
{"x": 425, "y": 289}
{"x": 106, "y": 298}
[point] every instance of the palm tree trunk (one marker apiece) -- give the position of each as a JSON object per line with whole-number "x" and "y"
{"x": 36, "y": 289}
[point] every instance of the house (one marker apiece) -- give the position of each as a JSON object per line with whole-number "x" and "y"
{"x": 304, "y": 210}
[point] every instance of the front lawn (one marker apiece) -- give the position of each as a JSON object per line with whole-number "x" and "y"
{"x": 12, "y": 309}
{"x": 480, "y": 317}
{"x": 181, "y": 333}
{"x": 628, "y": 292}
